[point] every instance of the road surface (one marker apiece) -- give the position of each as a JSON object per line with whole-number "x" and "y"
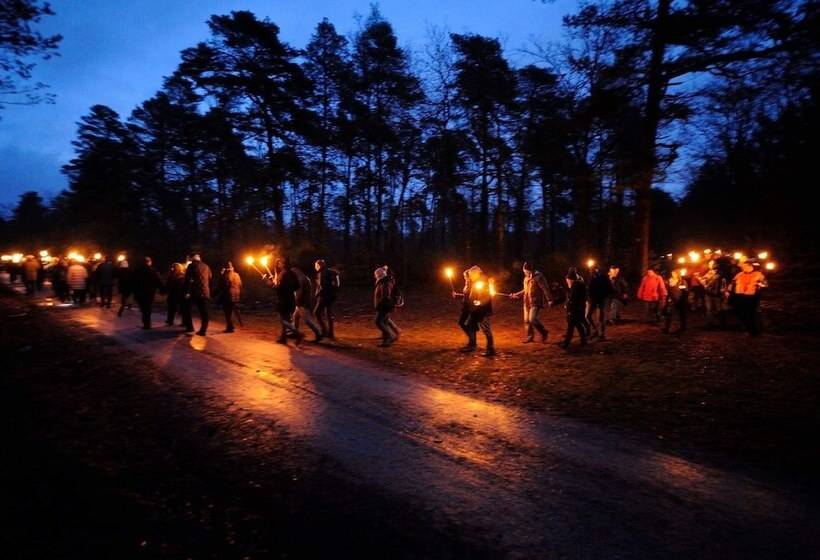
{"x": 527, "y": 484}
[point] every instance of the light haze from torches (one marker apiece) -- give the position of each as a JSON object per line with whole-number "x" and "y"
{"x": 681, "y": 260}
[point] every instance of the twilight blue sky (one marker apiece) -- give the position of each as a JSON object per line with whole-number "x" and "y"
{"x": 116, "y": 52}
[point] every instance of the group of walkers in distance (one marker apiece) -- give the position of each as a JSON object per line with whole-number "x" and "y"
{"x": 591, "y": 304}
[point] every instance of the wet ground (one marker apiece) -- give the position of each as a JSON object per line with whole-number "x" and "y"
{"x": 230, "y": 445}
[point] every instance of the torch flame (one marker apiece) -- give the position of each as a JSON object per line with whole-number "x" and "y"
{"x": 97, "y": 256}
{"x": 448, "y": 272}
{"x": 770, "y": 265}
{"x": 763, "y": 255}
{"x": 250, "y": 260}
{"x": 264, "y": 261}
{"x": 681, "y": 260}
{"x": 120, "y": 258}
{"x": 44, "y": 253}
{"x": 694, "y": 256}
{"x": 479, "y": 285}
{"x": 590, "y": 263}
{"x": 737, "y": 255}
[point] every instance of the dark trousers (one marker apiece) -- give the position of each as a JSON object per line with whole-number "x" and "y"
{"x": 746, "y": 309}
{"x": 145, "y": 304}
{"x": 324, "y": 311}
{"x": 575, "y": 321}
{"x": 106, "y": 295}
{"x": 31, "y": 287}
{"x": 228, "y": 308}
{"x": 78, "y": 296}
{"x": 386, "y": 326}
{"x": 600, "y": 308}
{"x": 474, "y": 324}
{"x": 188, "y": 321}
{"x": 173, "y": 304}
{"x": 681, "y": 308}
{"x": 124, "y": 302}
{"x": 468, "y": 328}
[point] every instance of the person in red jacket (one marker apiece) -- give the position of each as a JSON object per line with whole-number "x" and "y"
{"x": 653, "y": 293}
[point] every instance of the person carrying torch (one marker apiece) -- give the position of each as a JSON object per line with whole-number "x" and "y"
{"x": 480, "y": 301}
{"x": 536, "y": 295}
{"x": 286, "y": 284}
{"x": 470, "y": 275}
{"x": 575, "y": 306}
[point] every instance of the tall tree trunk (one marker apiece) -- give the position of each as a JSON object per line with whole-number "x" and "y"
{"x": 656, "y": 85}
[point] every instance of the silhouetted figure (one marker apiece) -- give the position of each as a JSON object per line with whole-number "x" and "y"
{"x": 653, "y": 293}
{"x": 285, "y": 283}
{"x": 745, "y": 295}
{"x": 77, "y": 278}
{"x": 599, "y": 293}
{"x": 106, "y": 274}
{"x": 197, "y": 293}
{"x": 677, "y": 301}
{"x": 175, "y": 288}
{"x": 230, "y": 291}
{"x": 124, "y": 285}
{"x": 385, "y": 298}
{"x": 470, "y": 275}
{"x": 327, "y": 289}
{"x": 575, "y": 306}
{"x": 146, "y": 281}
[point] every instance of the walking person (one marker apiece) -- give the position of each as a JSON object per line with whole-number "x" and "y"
{"x": 77, "y": 278}
{"x": 285, "y": 283}
{"x": 745, "y": 295}
{"x": 715, "y": 286}
{"x": 197, "y": 289}
{"x": 31, "y": 270}
{"x": 470, "y": 275}
{"x": 304, "y": 304}
{"x": 653, "y": 293}
{"x": 536, "y": 295}
{"x": 677, "y": 302}
{"x": 146, "y": 281}
{"x": 229, "y": 292}
{"x": 620, "y": 294}
{"x": 175, "y": 290}
{"x": 59, "y": 279}
{"x": 385, "y": 297}
{"x": 106, "y": 273}
{"x": 124, "y": 286}
{"x": 599, "y": 293}
{"x": 327, "y": 289}
{"x": 480, "y": 301}
{"x": 575, "y": 306}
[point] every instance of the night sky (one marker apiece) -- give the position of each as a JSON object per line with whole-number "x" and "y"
{"x": 116, "y": 52}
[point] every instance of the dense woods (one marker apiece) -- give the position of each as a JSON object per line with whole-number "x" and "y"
{"x": 357, "y": 149}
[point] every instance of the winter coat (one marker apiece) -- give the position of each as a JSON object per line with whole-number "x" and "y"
{"x": 600, "y": 288}
{"x": 577, "y": 299}
{"x": 327, "y": 284}
{"x": 30, "y": 269}
{"x": 105, "y": 274}
{"x": 145, "y": 281}
{"x": 175, "y": 285}
{"x": 230, "y": 287}
{"x": 286, "y": 283}
{"x": 124, "y": 279}
{"x": 304, "y": 295}
{"x": 652, "y": 288}
{"x": 198, "y": 280}
{"x": 383, "y": 294}
{"x": 678, "y": 291}
{"x": 480, "y": 301}
{"x": 714, "y": 283}
{"x": 620, "y": 288}
{"x": 536, "y": 292}
{"x": 77, "y": 277}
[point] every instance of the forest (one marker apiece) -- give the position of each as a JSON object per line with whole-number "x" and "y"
{"x": 365, "y": 152}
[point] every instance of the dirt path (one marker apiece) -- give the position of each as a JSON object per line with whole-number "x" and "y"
{"x": 530, "y": 484}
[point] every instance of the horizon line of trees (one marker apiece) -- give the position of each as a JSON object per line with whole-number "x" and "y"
{"x": 356, "y": 149}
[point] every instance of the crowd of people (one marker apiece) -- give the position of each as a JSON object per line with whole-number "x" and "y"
{"x": 592, "y": 304}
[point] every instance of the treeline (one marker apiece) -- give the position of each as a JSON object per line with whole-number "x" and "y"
{"x": 358, "y": 149}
